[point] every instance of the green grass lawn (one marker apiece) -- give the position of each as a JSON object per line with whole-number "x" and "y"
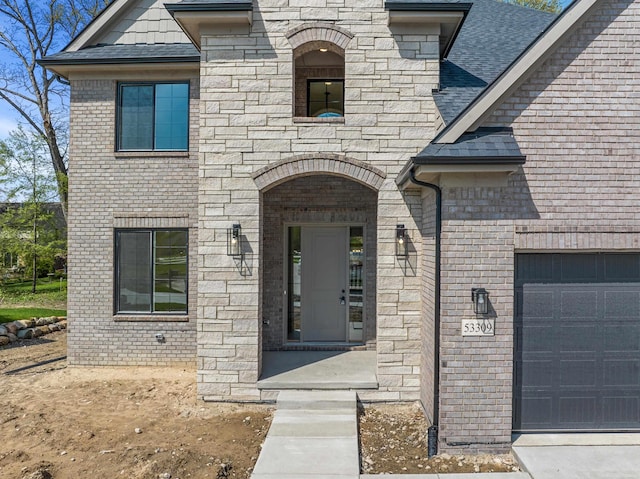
{"x": 12, "y": 314}
{"x": 18, "y": 302}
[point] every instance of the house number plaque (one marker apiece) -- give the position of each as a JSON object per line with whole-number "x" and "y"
{"x": 478, "y": 327}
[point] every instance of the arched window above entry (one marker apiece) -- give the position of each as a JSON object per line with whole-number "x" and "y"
{"x": 319, "y": 69}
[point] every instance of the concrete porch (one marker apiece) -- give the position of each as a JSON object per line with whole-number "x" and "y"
{"x": 318, "y": 370}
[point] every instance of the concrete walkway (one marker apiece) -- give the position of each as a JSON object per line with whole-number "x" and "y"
{"x": 579, "y": 456}
{"x": 314, "y": 434}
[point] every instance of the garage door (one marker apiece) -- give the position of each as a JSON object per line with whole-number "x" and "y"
{"x": 577, "y": 342}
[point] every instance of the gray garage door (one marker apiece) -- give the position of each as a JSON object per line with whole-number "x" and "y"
{"x": 577, "y": 342}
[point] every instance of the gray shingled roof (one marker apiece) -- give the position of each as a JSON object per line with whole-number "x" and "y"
{"x": 138, "y": 53}
{"x": 209, "y": 5}
{"x": 485, "y": 144}
{"x": 493, "y": 35}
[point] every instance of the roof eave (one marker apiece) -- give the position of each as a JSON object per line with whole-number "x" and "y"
{"x": 429, "y": 168}
{"x": 449, "y": 16}
{"x": 64, "y": 68}
{"x": 96, "y": 26}
{"x": 193, "y": 20}
{"x": 210, "y": 7}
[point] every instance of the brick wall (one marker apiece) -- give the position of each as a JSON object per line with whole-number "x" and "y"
{"x": 110, "y": 190}
{"x": 576, "y": 119}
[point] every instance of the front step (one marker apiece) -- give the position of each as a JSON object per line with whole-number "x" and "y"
{"x": 327, "y": 370}
{"x": 317, "y": 400}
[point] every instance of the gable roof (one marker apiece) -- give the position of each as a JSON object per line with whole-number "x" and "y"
{"x": 517, "y": 72}
{"x": 492, "y": 36}
{"x": 98, "y": 24}
{"x": 463, "y": 141}
{"x": 117, "y": 54}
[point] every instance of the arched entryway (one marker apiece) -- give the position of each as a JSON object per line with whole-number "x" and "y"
{"x": 319, "y": 263}
{"x": 318, "y": 223}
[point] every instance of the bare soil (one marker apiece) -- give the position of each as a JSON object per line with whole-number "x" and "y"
{"x": 393, "y": 441}
{"x": 59, "y": 422}
{"x": 67, "y": 423}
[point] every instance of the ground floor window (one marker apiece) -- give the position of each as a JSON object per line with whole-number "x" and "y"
{"x": 151, "y": 271}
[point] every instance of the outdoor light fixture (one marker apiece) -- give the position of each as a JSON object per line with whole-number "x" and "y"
{"x": 402, "y": 250}
{"x": 234, "y": 240}
{"x": 480, "y": 298}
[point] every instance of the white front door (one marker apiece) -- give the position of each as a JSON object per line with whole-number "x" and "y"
{"x": 324, "y": 283}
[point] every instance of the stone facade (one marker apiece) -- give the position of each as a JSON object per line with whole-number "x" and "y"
{"x": 248, "y": 94}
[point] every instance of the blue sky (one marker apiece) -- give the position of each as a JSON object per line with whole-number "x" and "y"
{"x": 9, "y": 119}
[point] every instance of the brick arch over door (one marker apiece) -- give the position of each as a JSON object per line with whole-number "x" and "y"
{"x": 319, "y": 32}
{"x": 306, "y": 165}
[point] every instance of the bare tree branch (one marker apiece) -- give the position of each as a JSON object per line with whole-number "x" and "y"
{"x": 31, "y": 30}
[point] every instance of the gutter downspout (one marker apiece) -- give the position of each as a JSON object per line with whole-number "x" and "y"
{"x": 433, "y": 429}
{"x": 64, "y": 81}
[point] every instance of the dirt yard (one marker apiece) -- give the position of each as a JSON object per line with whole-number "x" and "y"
{"x": 393, "y": 441}
{"x": 59, "y": 422}
{"x": 74, "y": 423}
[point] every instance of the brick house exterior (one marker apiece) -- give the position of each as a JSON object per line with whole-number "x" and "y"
{"x": 525, "y": 135}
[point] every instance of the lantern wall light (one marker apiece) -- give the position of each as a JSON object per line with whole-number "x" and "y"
{"x": 402, "y": 247}
{"x": 480, "y": 298}
{"x": 234, "y": 240}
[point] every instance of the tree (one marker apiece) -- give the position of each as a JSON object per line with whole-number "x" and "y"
{"x": 27, "y": 226}
{"x": 30, "y": 30}
{"x": 551, "y": 6}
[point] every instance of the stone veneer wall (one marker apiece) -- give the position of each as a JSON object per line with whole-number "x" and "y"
{"x": 110, "y": 190}
{"x": 313, "y": 199}
{"x": 576, "y": 119}
{"x": 247, "y": 124}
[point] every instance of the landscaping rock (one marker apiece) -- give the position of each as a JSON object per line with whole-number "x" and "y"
{"x": 31, "y": 328}
{"x": 25, "y": 323}
{"x": 43, "y": 330}
{"x": 11, "y": 327}
{"x": 26, "y": 334}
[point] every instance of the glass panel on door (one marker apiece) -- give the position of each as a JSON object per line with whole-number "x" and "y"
{"x": 356, "y": 282}
{"x": 294, "y": 263}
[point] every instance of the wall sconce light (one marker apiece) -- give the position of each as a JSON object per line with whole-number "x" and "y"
{"x": 480, "y": 298}
{"x": 234, "y": 240}
{"x": 402, "y": 248}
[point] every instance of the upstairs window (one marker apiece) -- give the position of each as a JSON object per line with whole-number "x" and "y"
{"x": 325, "y": 98}
{"x": 153, "y": 116}
{"x": 319, "y": 80}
